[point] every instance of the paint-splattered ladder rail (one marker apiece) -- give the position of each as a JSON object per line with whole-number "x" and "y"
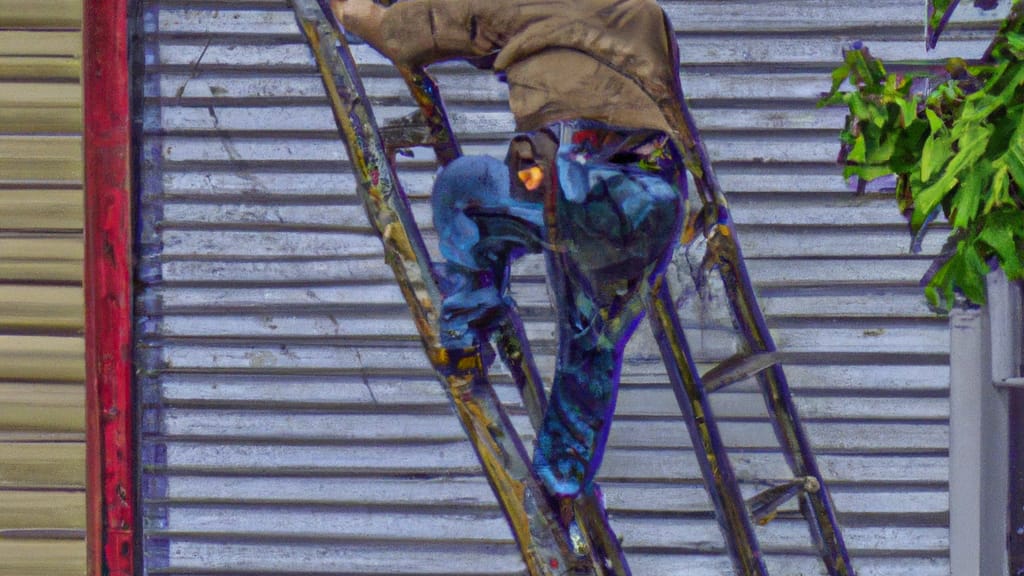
{"x": 761, "y": 359}
{"x": 541, "y": 540}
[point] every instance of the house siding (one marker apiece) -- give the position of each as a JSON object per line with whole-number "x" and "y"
{"x": 42, "y": 412}
{"x": 291, "y": 422}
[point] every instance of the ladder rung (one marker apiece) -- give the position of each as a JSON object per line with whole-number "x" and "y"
{"x": 764, "y": 505}
{"x": 737, "y": 368}
{"x": 406, "y": 132}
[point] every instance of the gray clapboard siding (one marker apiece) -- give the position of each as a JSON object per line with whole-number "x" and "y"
{"x": 263, "y": 212}
{"x": 291, "y": 421}
{"x": 530, "y": 296}
{"x": 276, "y": 54}
{"x": 240, "y": 327}
{"x": 313, "y": 151}
{"x": 690, "y": 17}
{"x": 237, "y": 558}
{"x": 860, "y": 275}
{"x": 470, "y": 493}
{"x": 706, "y": 565}
{"x": 261, "y": 183}
{"x": 408, "y": 390}
{"x": 281, "y": 245}
{"x": 362, "y": 353}
{"x": 320, "y": 523}
{"x": 425, "y": 457}
{"x": 289, "y": 88}
{"x": 236, "y": 119}
{"x": 665, "y": 432}
{"x": 316, "y": 120}
{"x": 637, "y": 400}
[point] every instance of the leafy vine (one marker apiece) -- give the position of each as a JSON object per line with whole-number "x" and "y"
{"x": 957, "y": 149}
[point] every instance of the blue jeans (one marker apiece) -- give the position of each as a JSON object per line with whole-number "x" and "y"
{"x": 607, "y": 225}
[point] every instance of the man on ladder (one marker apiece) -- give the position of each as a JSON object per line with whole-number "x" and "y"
{"x": 593, "y": 180}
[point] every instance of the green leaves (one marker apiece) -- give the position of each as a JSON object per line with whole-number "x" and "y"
{"x": 958, "y": 149}
{"x": 884, "y": 129}
{"x": 963, "y": 167}
{"x": 1003, "y": 235}
{"x": 937, "y": 149}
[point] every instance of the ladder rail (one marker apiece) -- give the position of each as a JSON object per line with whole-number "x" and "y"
{"x": 820, "y": 512}
{"x": 512, "y": 344}
{"x": 719, "y": 478}
{"x": 817, "y": 507}
{"x": 542, "y": 542}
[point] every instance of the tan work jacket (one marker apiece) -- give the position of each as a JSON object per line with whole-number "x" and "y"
{"x": 614, "y": 61}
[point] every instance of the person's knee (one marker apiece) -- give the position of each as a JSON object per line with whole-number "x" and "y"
{"x": 469, "y": 180}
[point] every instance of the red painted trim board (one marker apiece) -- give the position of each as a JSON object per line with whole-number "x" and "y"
{"x": 108, "y": 326}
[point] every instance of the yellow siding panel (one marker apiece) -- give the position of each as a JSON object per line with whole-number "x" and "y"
{"x": 41, "y": 15}
{"x": 35, "y": 43}
{"x": 42, "y": 558}
{"x": 64, "y": 271}
{"x": 41, "y": 247}
{"x": 34, "y": 120}
{"x": 55, "y": 258}
{"x": 42, "y": 465}
{"x": 36, "y": 436}
{"x": 42, "y": 358}
{"x": 40, "y": 209}
{"x": 39, "y": 95}
{"x": 37, "y": 68}
{"x": 56, "y": 308}
{"x": 41, "y": 510}
{"x": 42, "y": 407}
{"x": 45, "y": 158}
{"x": 34, "y": 55}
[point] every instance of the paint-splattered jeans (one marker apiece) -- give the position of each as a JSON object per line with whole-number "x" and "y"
{"x": 607, "y": 223}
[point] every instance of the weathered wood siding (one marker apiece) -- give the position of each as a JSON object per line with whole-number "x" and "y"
{"x": 42, "y": 412}
{"x": 291, "y": 423}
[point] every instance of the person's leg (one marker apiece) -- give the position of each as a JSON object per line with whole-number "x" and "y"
{"x": 616, "y": 226}
{"x": 570, "y": 444}
{"x": 481, "y": 229}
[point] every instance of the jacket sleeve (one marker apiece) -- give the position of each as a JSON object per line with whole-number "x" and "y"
{"x": 419, "y": 32}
